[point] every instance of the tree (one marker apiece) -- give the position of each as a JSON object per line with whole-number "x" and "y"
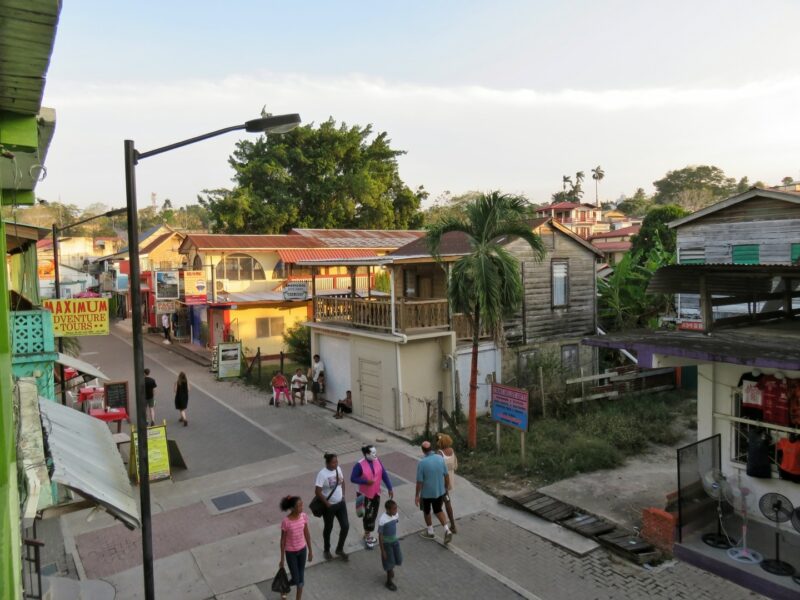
{"x": 597, "y": 175}
{"x": 654, "y": 231}
{"x": 787, "y": 181}
{"x": 326, "y": 176}
{"x": 485, "y": 285}
{"x": 565, "y": 179}
{"x": 690, "y": 187}
{"x": 447, "y": 205}
{"x": 298, "y": 343}
{"x": 635, "y": 206}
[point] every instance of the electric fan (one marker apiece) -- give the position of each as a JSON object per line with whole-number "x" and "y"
{"x": 777, "y": 508}
{"x": 796, "y": 523}
{"x": 714, "y": 483}
{"x": 739, "y": 498}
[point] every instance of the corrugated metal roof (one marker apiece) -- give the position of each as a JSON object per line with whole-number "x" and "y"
{"x": 81, "y": 366}
{"x": 86, "y": 460}
{"x": 361, "y": 238}
{"x": 252, "y": 243}
{"x": 293, "y": 256}
{"x": 754, "y": 192}
{"x": 722, "y": 279}
{"x": 612, "y": 246}
{"x": 621, "y": 232}
{"x": 453, "y": 243}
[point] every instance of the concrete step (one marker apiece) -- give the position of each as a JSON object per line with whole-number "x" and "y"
{"x": 61, "y": 588}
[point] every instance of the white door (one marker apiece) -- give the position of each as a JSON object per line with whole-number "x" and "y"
{"x": 335, "y": 354}
{"x": 369, "y": 386}
{"x": 489, "y": 361}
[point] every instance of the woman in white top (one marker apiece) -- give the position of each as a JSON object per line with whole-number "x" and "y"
{"x": 444, "y": 447}
{"x": 329, "y": 487}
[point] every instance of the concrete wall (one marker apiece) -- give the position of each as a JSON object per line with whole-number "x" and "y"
{"x": 489, "y": 361}
{"x": 423, "y": 375}
{"x": 244, "y": 328}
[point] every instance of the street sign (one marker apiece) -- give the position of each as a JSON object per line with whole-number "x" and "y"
{"x": 165, "y": 307}
{"x": 229, "y": 360}
{"x": 510, "y": 406}
{"x": 167, "y": 285}
{"x": 295, "y": 290}
{"x": 78, "y": 316}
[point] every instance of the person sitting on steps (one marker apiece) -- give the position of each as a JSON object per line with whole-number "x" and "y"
{"x": 344, "y": 406}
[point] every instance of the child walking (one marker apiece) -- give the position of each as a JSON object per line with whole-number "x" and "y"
{"x": 391, "y": 556}
{"x": 295, "y": 542}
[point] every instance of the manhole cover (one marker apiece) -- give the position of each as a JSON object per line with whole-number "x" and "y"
{"x": 232, "y": 501}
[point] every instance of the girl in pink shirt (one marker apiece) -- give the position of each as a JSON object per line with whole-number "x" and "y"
{"x": 295, "y": 542}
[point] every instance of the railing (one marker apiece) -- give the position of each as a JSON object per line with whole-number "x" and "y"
{"x": 419, "y": 314}
{"x": 33, "y": 569}
{"x": 377, "y": 313}
{"x": 325, "y": 283}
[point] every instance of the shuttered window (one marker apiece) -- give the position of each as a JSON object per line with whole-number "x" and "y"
{"x": 745, "y": 254}
{"x": 795, "y": 253}
{"x": 560, "y": 283}
{"x": 269, "y": 327}
{"x": 692, "y": 256}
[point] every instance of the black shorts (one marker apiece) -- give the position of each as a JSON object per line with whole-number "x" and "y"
{"x": 151, "y": 402}
{"x": 432, "y": 503}
{"x": 315, "y": 387}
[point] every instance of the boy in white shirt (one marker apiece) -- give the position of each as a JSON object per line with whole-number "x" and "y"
{"x": 299, "y": 383}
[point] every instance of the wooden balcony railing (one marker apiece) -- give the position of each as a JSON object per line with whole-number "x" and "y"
{"x": 376, "y": 313}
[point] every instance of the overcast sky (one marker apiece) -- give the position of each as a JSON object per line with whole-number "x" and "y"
{"x": 481, "y": 95}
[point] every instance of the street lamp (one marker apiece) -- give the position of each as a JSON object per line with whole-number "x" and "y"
{"x": 56, "y": 275}
{"x": 270, "y": 124}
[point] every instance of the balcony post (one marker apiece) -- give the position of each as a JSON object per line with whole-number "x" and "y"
{"x": 314, "y": 293}
{"x": 393, "y": 304}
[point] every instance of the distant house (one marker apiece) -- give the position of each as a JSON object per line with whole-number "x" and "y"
{"x": 614, "y": 244}
{"x": 583, "y": 219}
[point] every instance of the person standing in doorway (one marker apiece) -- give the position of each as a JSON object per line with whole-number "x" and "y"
{"x": 368, "y": 473}
{"x": 317, "y": 374}
{"x": 182, "y": 397}
{"x": 329, "y": 487}
{"x": 295, "y": 543}
{"x": 165, "y": 325}
{"x": 150, "y": 397}
{"x": 432, "y": 483}
{"x": 444, "y": 448}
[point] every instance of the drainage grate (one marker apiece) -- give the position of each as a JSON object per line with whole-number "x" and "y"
{"x": 231, "y": 501}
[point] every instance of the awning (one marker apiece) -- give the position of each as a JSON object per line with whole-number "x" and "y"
{"x": 81, "y": 366}
{"x": 86, "y": 460}
{"x": 720, "y": 279}
{"x": 298, "y": 254}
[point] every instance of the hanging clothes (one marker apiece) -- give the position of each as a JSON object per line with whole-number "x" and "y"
{"x": 758, "y": 453}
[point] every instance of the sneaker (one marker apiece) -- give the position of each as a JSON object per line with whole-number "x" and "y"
{"x": 342, "y": 554}
{"x": 391, "y": 586}
{"x": 448, "y": 537}
{"x": 327, "y": 554}
{"x": 426, "y": 535}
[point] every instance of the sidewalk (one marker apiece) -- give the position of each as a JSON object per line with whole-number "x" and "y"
{"x": 193, "y": 352}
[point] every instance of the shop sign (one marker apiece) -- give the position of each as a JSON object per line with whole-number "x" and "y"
{"x": 194, "y": 287}
{"x": 157, "y": 454}
{"x": 691, "y": 326}
{"x": 78, "y": 316}
{"x": 167, "y": 285}
{"x": 121, "y": 282}
{"x": 229, "y": 360}
{"x": 165, "y": 307}
{"x": 510, "y": 406}
{"x": 295, "y": 290}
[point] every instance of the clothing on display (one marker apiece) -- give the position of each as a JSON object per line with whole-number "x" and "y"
{"x": 758, "y": 453}
{"x": 752, "y": 406}
{"x": 775, "y": 399}
{"x": 788, "y": 453}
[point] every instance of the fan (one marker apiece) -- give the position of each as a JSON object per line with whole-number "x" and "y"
{"x": 738, "y": 497}
{"x": 796, "y": 523}
{"x": 778, "y": 509}
{"x": 714, "y": 483}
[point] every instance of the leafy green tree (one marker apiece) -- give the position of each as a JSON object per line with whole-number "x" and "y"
{"x": 326, "y": 176}
{"x": 597, "y": 174}
{"x": 447, "y": 205}
{"x": 637, "y": 205}
{"x": 655, "y": 233}
{"x": 485, "y": 285}
{"x": 787, "y": 181}
{"x": 694, "y": 187}
{"x": 298, "y": 343}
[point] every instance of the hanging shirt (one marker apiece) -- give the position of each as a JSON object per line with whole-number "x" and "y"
{"x": 789, "y": 459}
{"x": 758, "y": 454}
{"x": 775, "y": 399}
{"x": 752, "y": 404}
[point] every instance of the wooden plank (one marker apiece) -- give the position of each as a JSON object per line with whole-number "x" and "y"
{"x": 596, "y": 529}
{"x": 611, "y": 394}
{"x": 590, "y": 378}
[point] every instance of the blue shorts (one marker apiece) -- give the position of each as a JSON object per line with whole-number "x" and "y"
{"x": 394, "y": 557}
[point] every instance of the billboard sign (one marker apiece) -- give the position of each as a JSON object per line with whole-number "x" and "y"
{"x": 510, "y": 406}
{"x": 295, "y": 290}
{"x": 194, "y": 287}
{"x": 78, "y": 316}
{"x": 229, "y": 360}
{"x": 167, "y": 285}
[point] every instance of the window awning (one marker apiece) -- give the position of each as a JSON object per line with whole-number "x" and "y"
{"x": 81, "y": 366}
{"x": 86, "y": 460}
{"x": 298, "y": 254}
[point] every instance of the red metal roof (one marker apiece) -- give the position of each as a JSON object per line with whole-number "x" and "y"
{"x": 612, "y": 246}
{"x": 621, "y": 232}
{"x": 561, "y": 206}
{"x": 388, "y": 239}
{"x": 293, "y": 256}
{"x": 249, "y": 242}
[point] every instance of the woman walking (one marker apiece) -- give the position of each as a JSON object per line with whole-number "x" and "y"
{"x": 182, "y": 397}
{"x": 444, "y": 447}
{"x": 368, "y": 473}
{"x": 329, "y": 487}
{"x": 295, "y": 542}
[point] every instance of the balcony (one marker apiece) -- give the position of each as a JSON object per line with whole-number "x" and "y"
{"x": 325, "y": 283}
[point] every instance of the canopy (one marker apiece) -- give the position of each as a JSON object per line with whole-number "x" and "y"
{"x": 81, "y": 366}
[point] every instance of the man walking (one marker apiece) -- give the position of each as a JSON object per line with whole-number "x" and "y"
{"x": 165, "y": 324}
{"x": 149, "y": 396}
{"x": 432, "y": 483}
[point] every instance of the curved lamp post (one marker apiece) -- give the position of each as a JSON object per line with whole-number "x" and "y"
{"x": 272, "y": 124}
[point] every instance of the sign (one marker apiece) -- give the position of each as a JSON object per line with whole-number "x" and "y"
{"x": 229, "y": 360}
{"x": 164, "y": 307}
{"x": 194, "y": 287}
{"x": 167, "y": 285}
{"x": 690, "y": 326}
{"x": 116, "y": 394}
{"x": 295, "y": 290}
{"x": 157, "y": 454}
{"x": 121, "y": 282}
{"x": 78, "y": 316}
{"x": 510, "y": 406}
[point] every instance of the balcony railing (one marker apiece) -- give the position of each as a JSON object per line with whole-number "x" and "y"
{"x": 326, "y": 283}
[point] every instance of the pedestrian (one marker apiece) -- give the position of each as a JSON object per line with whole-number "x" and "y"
{"x": 299, "y": 383}
{"x": 150, "y": 397}
{"x": 329, "y": 487}
{"x": 317, "y": 375}
{"x": 280, "y": 386}
{"x": 175, "y": 325}
{"x": 344, "y": 406}
{"x": 389, "y": 543}
{"x": 295, "y": 543}
{"x": 182, "y": 397}
{"x": 165, "y": 326}
{"x": 432, "y": 483}
{"x": 444, "y": 447}
{"x": 368, "y": 473}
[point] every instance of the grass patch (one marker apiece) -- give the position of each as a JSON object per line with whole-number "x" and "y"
{"x": 585, "y": 439}
{"x": 268, "y": 370}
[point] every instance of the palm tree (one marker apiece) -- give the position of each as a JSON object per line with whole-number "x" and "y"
{"x": 597, "y": 175}
{"x": 565, "y": 179}
{"x": 485, "y": 285}
{"x": 579, "y": 177}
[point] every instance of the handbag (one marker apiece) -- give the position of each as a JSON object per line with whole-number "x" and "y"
{"x": 280, "y": 583}
{"x": 317, "y": 506}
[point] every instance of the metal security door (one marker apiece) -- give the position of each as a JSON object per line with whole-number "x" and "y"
{"x": 369, "y": 386}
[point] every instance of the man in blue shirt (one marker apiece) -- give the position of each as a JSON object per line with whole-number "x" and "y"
{"x": 432, "y": 483}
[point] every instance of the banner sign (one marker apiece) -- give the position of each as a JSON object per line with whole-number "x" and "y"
{"x": 295, "y": 290}
{"x": 164, "y": 307}
{"x": 78, "y": 316}
{"x": 229, "y": 360}
{"x": 167, "y": 285}
{"x": 121, "y": 282}
{"x": 510, "y": 406}
{"x": 194, "y": 287}
{"x": 157, "y": 454}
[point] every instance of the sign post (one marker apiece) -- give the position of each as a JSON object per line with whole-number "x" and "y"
{"x": 510, "y": 408}
{"x": 229, "y": 360}
{"x": 157, "y": 454}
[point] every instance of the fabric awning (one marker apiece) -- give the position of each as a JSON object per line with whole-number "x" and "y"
{"x": 86, "y": 460}
{"x": 81, "y": 366}
{"x": 298, "y": 254}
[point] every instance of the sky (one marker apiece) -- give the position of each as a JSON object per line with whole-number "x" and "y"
{"x": 495, "y": 95}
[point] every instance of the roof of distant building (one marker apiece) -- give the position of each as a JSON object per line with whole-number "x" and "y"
{"x": 219, "y": 241}
{"x": 792, "y": 197}
{"x": 612, "y": 246}
{"x": 621, "y": 232}
{"x": 360, "y": 238}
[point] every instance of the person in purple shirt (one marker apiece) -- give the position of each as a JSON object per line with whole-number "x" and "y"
{"x": 368, "y": 473}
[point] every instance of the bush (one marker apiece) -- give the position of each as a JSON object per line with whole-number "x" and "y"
{"x": 298, "y": 343}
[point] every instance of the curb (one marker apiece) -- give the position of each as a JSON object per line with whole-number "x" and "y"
{"x": 179, "y": 350}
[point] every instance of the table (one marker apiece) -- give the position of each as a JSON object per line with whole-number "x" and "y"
{"x": 111, "y": 415}
{"x": 89, "y": 394}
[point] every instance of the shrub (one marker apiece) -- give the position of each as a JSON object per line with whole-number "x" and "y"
{"x": 298, "y": 343}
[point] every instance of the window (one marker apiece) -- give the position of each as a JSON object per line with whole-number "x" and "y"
{"x": 795, "y": 254}
{"x": 240, "y": 267}
{"x": 410, "y": 284}
{"x": 197, "y": 264}
{"x": 560, "y": 282}
{"x": 269, "y": 327}
{"x": 279, "y": 272}
{"x": 570, "y": 359}
{"x": 745, "y": 254}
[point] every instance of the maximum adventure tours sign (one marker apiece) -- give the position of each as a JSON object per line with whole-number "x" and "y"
{"x": 79, "y": 316}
